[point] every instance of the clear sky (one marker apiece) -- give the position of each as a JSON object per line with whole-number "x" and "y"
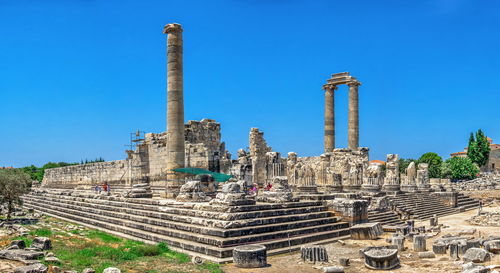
{"x": 78, "y": 76}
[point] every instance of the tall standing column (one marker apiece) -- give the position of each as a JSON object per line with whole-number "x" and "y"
{"x": 329, "y": 118}
{"x": 353, "y": 131}
{"x": 175, "y": 98}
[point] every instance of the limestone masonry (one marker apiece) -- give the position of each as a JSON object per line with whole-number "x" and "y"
{"x": 280, "y": 202}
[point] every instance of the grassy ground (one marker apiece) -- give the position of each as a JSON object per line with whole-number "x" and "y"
{"x": 78, "y": 248}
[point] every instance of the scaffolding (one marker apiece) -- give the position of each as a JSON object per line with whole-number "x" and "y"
{"x": 135, "y": 162}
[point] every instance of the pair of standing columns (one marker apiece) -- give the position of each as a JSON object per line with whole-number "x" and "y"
{"x": 353, "y": 124}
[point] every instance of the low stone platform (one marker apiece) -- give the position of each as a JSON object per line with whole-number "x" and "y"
{"x": 198, "y": 229}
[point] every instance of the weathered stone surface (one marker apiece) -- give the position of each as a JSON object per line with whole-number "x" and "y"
{"x": 476, "y": 255}
{"x": 42, "y": 243}
{"x": 381, "y": 258}
{"x": 398, "y": 241}
{"x": 20, "y": 254}
{"x": 333, "y": 269}
{"x": 250, "y": 256}
{"x": 352, "y": 211}
{"x": 426, "y": 255}
{"x": 419, "y": 243}
{"x": 52, "y": 259}
{"x": 191, "y": 191}
{"x": 492, "y": 246}
{"x": 366, "y": 231}
{"x": 112, "y": 270}
{"x": 88, "y": 270}
{"x": 454, "y": 251}
{"x": 33, "y": 268}
{"x": 231, "y": 195}
{"x": 19, "y": 243}
{"x": 280, "y": 192}
{"x": 313, "y": 254}
{"x": 344, "y": 261}
{"x": 439, "y": 248}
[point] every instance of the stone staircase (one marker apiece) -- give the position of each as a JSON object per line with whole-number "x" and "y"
{"x": 385, "y": 218}
{"x": 421, "y": 206}
{"x": 198, "y": 229}
{"x": 467, "y": 203}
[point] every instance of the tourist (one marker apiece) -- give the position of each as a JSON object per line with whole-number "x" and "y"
{"x": 105, "y": 186}
{"x": 269, "y": 186}
{"x": 254, "y": 190}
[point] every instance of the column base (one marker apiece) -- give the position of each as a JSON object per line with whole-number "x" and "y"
{"x": 370, "y": 188}
{"x": 350, "y": 188}
{"x": 408, "y": 188}
{"x": 390, "y": 188}
{"x": 332, "y": 188}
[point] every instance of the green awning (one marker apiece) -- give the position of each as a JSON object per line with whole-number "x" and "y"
{"x": 219, "y": 177}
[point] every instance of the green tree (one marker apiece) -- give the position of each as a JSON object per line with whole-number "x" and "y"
{"x": 479, "y": 148}
{"x": 13, "y": 184}
{"x": 483, "y": 147}
{"x": 434, "y": 161}
{"x": 462, "y": 168}
{"x": 446, "y": 169}
{"x": 403, "y": 164}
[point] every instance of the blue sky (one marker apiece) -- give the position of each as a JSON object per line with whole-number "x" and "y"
{"x": 78, "y": 76}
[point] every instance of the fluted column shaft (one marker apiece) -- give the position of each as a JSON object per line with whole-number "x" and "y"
{"x": 353, "y": 124}
{"x": 175, "y": 97}
{"x": 329, "y": 119}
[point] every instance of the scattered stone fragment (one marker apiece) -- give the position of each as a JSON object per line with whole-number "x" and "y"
{"x": 197, "y": 260}
{"x": 52, "y": 259}
{"x": 399, "y": 241}
{"x": 55, "y": 269}
{"x": 492, "y": 246}
{"x": 34, "y": 268}
{"x": 88, "y": 270}
{"x": 366, "y": 231}
{"x": 426, "y": 255}
{"x": 476, "y": 255}
{"x": 381, "y": 258}
{"x": 439, "y": 248}
{"x": 454, "y": 250}
{"x": 42, "y": 243}
{"x": 419, "y": 243}
{"x": 112, "y": 270}
{"x": 250, "y": 256}
{"x": 313, "y": 254}
{"x": 19, "y": 243}
{"x": 344, "y": 261}
{"x": 333, "y": 269}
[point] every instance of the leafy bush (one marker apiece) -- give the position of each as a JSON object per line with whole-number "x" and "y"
{"x": 462, "y": 168}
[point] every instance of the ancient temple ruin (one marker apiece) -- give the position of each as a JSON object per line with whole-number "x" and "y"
{"x": 302, "y": 199}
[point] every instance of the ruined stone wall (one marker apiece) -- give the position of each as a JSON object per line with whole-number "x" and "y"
{"x": 147, "y": 163}
{"x": 265, "y": 163}
{"x": 88, "y": 175}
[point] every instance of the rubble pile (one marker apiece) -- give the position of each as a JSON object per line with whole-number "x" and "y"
{"x": 485, "y": 182}
{"x": 491, "y": 219}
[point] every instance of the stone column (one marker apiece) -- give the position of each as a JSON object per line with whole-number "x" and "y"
{"x": 329, "y": 118}
{"x": 175, "y": 99}
{"x": 353, "y": 132}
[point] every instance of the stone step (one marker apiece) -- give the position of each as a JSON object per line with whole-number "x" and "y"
{"x": 193, "y": 210}
{"x": 210, "y": 252}
{"x": 203, "y": 226}
{"x": 159, "y": 203}
{"x": 193, "y": 235}
{"x": 219, "y": 232}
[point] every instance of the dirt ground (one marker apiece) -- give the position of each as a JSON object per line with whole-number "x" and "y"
{"x": 410, "y": 263}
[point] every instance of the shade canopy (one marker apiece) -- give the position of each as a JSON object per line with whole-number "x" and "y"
{"x": 219, "y": 177}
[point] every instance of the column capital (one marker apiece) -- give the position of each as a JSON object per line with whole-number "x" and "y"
{"x": 328, "y": 87}
{"x": 172, "y": 28}
{"x": 354, "y": 83}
